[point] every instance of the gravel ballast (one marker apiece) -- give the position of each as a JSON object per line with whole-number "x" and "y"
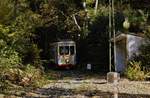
{"x": 91, "y": 88}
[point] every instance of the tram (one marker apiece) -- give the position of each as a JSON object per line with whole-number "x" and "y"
{"x": 63, "y": 54}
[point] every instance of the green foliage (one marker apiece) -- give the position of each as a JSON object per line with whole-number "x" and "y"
{"x": 31, "y": 55}
{"x": 21, "y": 75}
{"x": 135, "y": 71}
{"x": 59, "y": 13}
{"x": 19, "y": 34}
{"x": 34, "y": 75}
{"x": 137, "y": 16}
{"x": 147, "y": 32}
{"x": 16, "y": 42}
{"x": 89, "y": 1}
{"x": 137, "y": 19}
{"x": 144, "y": 57}
{"x": 9, "y": 61}
{"x": 6, "y": 10}
{"x": 25, "y": 22}
{"x": 9, "y": 57}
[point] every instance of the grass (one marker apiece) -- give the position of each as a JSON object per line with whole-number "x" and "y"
{"x": 136, "y": 72}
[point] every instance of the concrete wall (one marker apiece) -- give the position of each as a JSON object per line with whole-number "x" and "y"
{"x": 133, "y": 44}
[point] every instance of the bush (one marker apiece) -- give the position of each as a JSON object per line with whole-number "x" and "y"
{"x": 135, "y": 71}
{"x": 13, "y": 72}
{"x": 31, "y": 55}
{"x": 145, "y": 55}
{"x": 9, "y": 61}
{"x": 28, "y": 76}
{"x": 32, "y": 77}
{"x": 9, "y": 57}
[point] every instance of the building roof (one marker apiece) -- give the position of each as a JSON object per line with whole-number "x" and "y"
{"x": 121, "y": 36}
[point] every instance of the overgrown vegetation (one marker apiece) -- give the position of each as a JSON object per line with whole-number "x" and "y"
{"x": 144, "y": 56}
{"x": 135, "y": 71}
{"x": 19, "y": 55}
{"x": 27, "y": 27}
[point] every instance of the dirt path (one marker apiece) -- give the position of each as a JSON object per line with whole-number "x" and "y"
{"x": 72, "y": 84}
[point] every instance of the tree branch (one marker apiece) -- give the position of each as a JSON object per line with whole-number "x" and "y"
{"x": 74, "y": 18}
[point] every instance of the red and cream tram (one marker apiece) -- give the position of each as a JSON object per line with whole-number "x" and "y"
{"x": 63, "y": 53}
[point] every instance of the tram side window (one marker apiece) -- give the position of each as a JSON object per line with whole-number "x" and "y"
{"x": 72, "y": 50}
{"x": 63, "y": 50}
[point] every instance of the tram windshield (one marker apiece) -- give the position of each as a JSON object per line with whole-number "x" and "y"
{"x": 64, "y": 50}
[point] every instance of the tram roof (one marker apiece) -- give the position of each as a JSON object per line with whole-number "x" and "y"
{"x": 63, "y": 42}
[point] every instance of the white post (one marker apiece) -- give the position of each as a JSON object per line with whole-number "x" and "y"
{"x": 113, "y": 78}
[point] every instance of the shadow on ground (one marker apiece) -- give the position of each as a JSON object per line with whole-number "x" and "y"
{"x": 76, "y": 73}
{"x": 70, "y": 93}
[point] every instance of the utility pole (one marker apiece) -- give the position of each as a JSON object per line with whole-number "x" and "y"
{"x": 110, "y": 28}
{"x": 86, "y": 12}
{"x": 112, "y": 77}
{"x": 114, "y": 33}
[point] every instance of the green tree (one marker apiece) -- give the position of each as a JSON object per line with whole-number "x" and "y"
{"x": 6, "y": 11}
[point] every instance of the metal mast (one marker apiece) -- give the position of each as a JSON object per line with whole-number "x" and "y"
{"x": 110, "y": 28}
{"x": 114, "y": 33}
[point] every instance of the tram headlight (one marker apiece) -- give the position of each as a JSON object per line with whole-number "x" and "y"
{"x": 67, "y": 60}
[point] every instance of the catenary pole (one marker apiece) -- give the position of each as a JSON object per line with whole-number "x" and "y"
{"x": 114, "y": 33}
{"x": 110, "y": 28}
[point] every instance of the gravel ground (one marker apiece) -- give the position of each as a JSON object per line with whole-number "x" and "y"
{"x": 78, "y": 84}
{"x": 93, "y": 88}
{"x": 124, "y": 86}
